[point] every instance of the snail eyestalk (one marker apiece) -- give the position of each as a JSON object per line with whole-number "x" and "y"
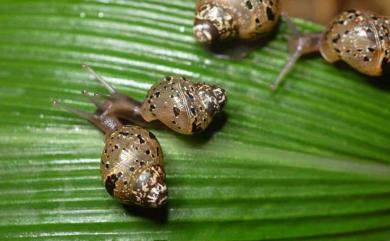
{"x": 99, "y": 78}
{"x": 71, "y": 109}
{"x": 115, "y": 104}
{"x": 299, "y": 44}
{"x": 290, "y": 63}
{"x": 97, "y": 99}
{"x": 107, "y": 124}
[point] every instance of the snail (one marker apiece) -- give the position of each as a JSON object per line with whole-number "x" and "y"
{"x": 223, "y": 20}
{"x": 359, "y": 38}
{"x": 180, "y": 104}
{"x": 131, "y": 162}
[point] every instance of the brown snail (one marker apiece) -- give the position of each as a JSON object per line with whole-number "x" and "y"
{"x": 224, "y": 20}
{"x": 359, "y": 38}
{"x": 180, "y": 104}
{"x": 131, "y": 162}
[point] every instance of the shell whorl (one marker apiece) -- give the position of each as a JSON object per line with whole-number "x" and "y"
{"x": 213, "y": 22}
{"x": 131, "y": 167}
{"x": 182, "y": 105}
{"x": 360, "y": 38}
{"x": 220, "y": 20}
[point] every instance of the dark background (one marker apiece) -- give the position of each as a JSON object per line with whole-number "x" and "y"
{"x": 322, "y": 11}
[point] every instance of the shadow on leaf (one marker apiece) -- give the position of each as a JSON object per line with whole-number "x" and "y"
{"x": 157, "y": 215}
{"x": 236, "y": 50}
{"x": 201, "y": 138}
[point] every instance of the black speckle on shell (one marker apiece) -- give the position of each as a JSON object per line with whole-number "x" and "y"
{"x": 249, "y": 5}
{"x": 110, "y": 183}
{"x": 270, "y": 14}
{"x": 176, "y": 111}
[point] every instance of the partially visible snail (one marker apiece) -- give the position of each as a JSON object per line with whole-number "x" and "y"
{"x": 224, "y": 20}
{"x": 180, "y": 104}
{"x": 359, "y": 38}
{"x": 131, "y": 162}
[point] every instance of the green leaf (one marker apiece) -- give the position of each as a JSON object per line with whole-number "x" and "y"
{"x": 310, "y": 161}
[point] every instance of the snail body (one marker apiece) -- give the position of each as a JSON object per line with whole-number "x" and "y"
{"x": 180, "y": 104}
{"x": 131, "y": 164}
{"x": 224, "y": 20}
{"x": 359, "y": 38}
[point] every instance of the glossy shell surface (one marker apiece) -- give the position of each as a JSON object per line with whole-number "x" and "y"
{"x": 243, "y": 19}
{"x": 360, "y": 38}
{"x": 182, "y": 105}
{"x": 131, "y": 167}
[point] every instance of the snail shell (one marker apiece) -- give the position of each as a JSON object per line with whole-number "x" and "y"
{"x": 131, "y": 167}
{"x": 220, "y": 20}
{"x": 182, "y": 105}
{"x": 361, "y": 39}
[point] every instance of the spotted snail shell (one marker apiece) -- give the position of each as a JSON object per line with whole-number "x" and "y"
{"x": 182, "y": 105}
{"x": 221, "y": 20}
{"x": 131, "y": 167}
{"x": 361, "y": 39}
